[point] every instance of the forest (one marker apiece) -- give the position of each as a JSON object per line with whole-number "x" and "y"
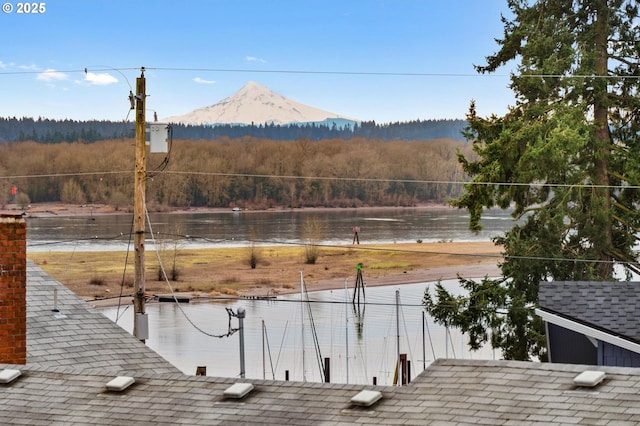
{"x": 56, "y": 131}
{"x": 244, "y": 172}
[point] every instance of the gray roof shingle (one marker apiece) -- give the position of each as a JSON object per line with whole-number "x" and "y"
{"x": 449, "y": 392}
{"x": 610, "y": 306}
{"x": 82, "y": 337}
{"x": 71, "y": 359}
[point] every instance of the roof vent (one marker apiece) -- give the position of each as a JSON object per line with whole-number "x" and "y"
{"x": 366, "y": 398}
{"x": 120, "y": 383}
{"x": 589, "y": 378}
{"x": 238, "y": 390}
{"x": 7, "y": 375}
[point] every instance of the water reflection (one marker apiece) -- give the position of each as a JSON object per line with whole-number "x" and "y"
{"x": 274, "y": 336}
{"x": 111, "y": 232}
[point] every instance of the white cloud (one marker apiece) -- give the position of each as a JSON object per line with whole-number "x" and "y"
{"x": 28, "y": 67}
{"x": 203, "y": 81}
{"x": 5, "y": 65}
{"x": 254, "y": 59}
{"x": 52, "y": 75}
{"x": 102, "y": 79}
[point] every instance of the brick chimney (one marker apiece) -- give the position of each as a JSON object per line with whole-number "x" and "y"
{"x": 13, "y": 290}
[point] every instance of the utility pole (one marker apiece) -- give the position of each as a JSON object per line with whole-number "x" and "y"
{"x": 140, "y": 324}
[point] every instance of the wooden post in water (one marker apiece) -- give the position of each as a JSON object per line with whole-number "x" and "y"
{"x": 403, "y": 369}
{"x": 359, "y": 288}
{"x": 327, "y": 370}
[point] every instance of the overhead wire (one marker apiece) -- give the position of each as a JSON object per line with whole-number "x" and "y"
{"x": 33, "y": 176}
{"x": 124, "y": 271}
{"x": 232, "y": 298}
{"x": 329, "y": 72}
{"x": 495, "y": 309}
{"x": 391, "y": 180}
{"x": 230, "y": 330}
{"x": 161, "y": 168}
{"x": 336, "y": 178}
{"x": 165, "y": 162}
{"x": 190, "y": 237}
{"x": 74, "y": 240}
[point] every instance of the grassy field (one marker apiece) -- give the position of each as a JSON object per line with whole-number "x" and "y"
{"x": 216, "y": 271}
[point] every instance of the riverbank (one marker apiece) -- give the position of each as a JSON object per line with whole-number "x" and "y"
{"x": 226, "y": 272}
{"x": 100, "y": 277}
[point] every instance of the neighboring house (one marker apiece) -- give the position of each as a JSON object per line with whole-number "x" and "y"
{"x": 72, "y": 355}
{"x": 594, "y": 323}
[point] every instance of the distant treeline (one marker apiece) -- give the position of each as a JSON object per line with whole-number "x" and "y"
{"x": 245, "y": 172}
{"x": 44, "y": 130}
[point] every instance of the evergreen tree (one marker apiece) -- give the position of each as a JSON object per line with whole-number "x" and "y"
{"x": 565, "y": 158}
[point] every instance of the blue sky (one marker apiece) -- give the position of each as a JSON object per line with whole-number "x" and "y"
{"x": 198, "y": 52}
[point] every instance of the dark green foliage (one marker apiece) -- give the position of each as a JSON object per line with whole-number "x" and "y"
{"x": 565, "y": 158}
{"x": 44, "y": 130}
{"x": 56, "y": 131}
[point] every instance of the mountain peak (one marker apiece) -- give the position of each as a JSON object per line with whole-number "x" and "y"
{"x": 252, "y": 85}
{"x": 257, "y": 104}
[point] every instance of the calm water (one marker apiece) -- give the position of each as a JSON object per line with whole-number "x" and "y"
{"x": 111, "y": 232}
{"x": 372, "y": 330}
{"x": 372, "y": 335}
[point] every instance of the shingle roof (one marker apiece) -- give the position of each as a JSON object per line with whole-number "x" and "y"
{"x": 610, "y": 306}
{"x": 71, "y": 359}
{"x": 83, "y": 338}
{"x": 448, "y": 392}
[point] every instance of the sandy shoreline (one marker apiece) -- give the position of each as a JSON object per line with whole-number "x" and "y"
{"x": 470, "y": 260}
{"x": 419, "y": 276}
{"x": 410, "y": 277}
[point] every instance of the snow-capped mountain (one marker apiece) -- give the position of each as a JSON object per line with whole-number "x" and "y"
{"x": 255, "y": 103}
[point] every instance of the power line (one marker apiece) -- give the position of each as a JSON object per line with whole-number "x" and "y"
{"x": 68, "y": 71}
{"x": 333, "y": 72}
{"x": 356, "y": 248}
{"x": 420, "y": 181}
{"x": 335, "y": 178}
{"x": 230, "y": 330}
{"x": 496, "y": 309}
{"x": 328, "y": 72}
{"x": 65, "y": 174}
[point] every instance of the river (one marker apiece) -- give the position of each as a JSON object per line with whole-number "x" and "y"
{"x": 369, "y": 335}
{"x": 361, "y": 341}
{"x": 111, "y": 232}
